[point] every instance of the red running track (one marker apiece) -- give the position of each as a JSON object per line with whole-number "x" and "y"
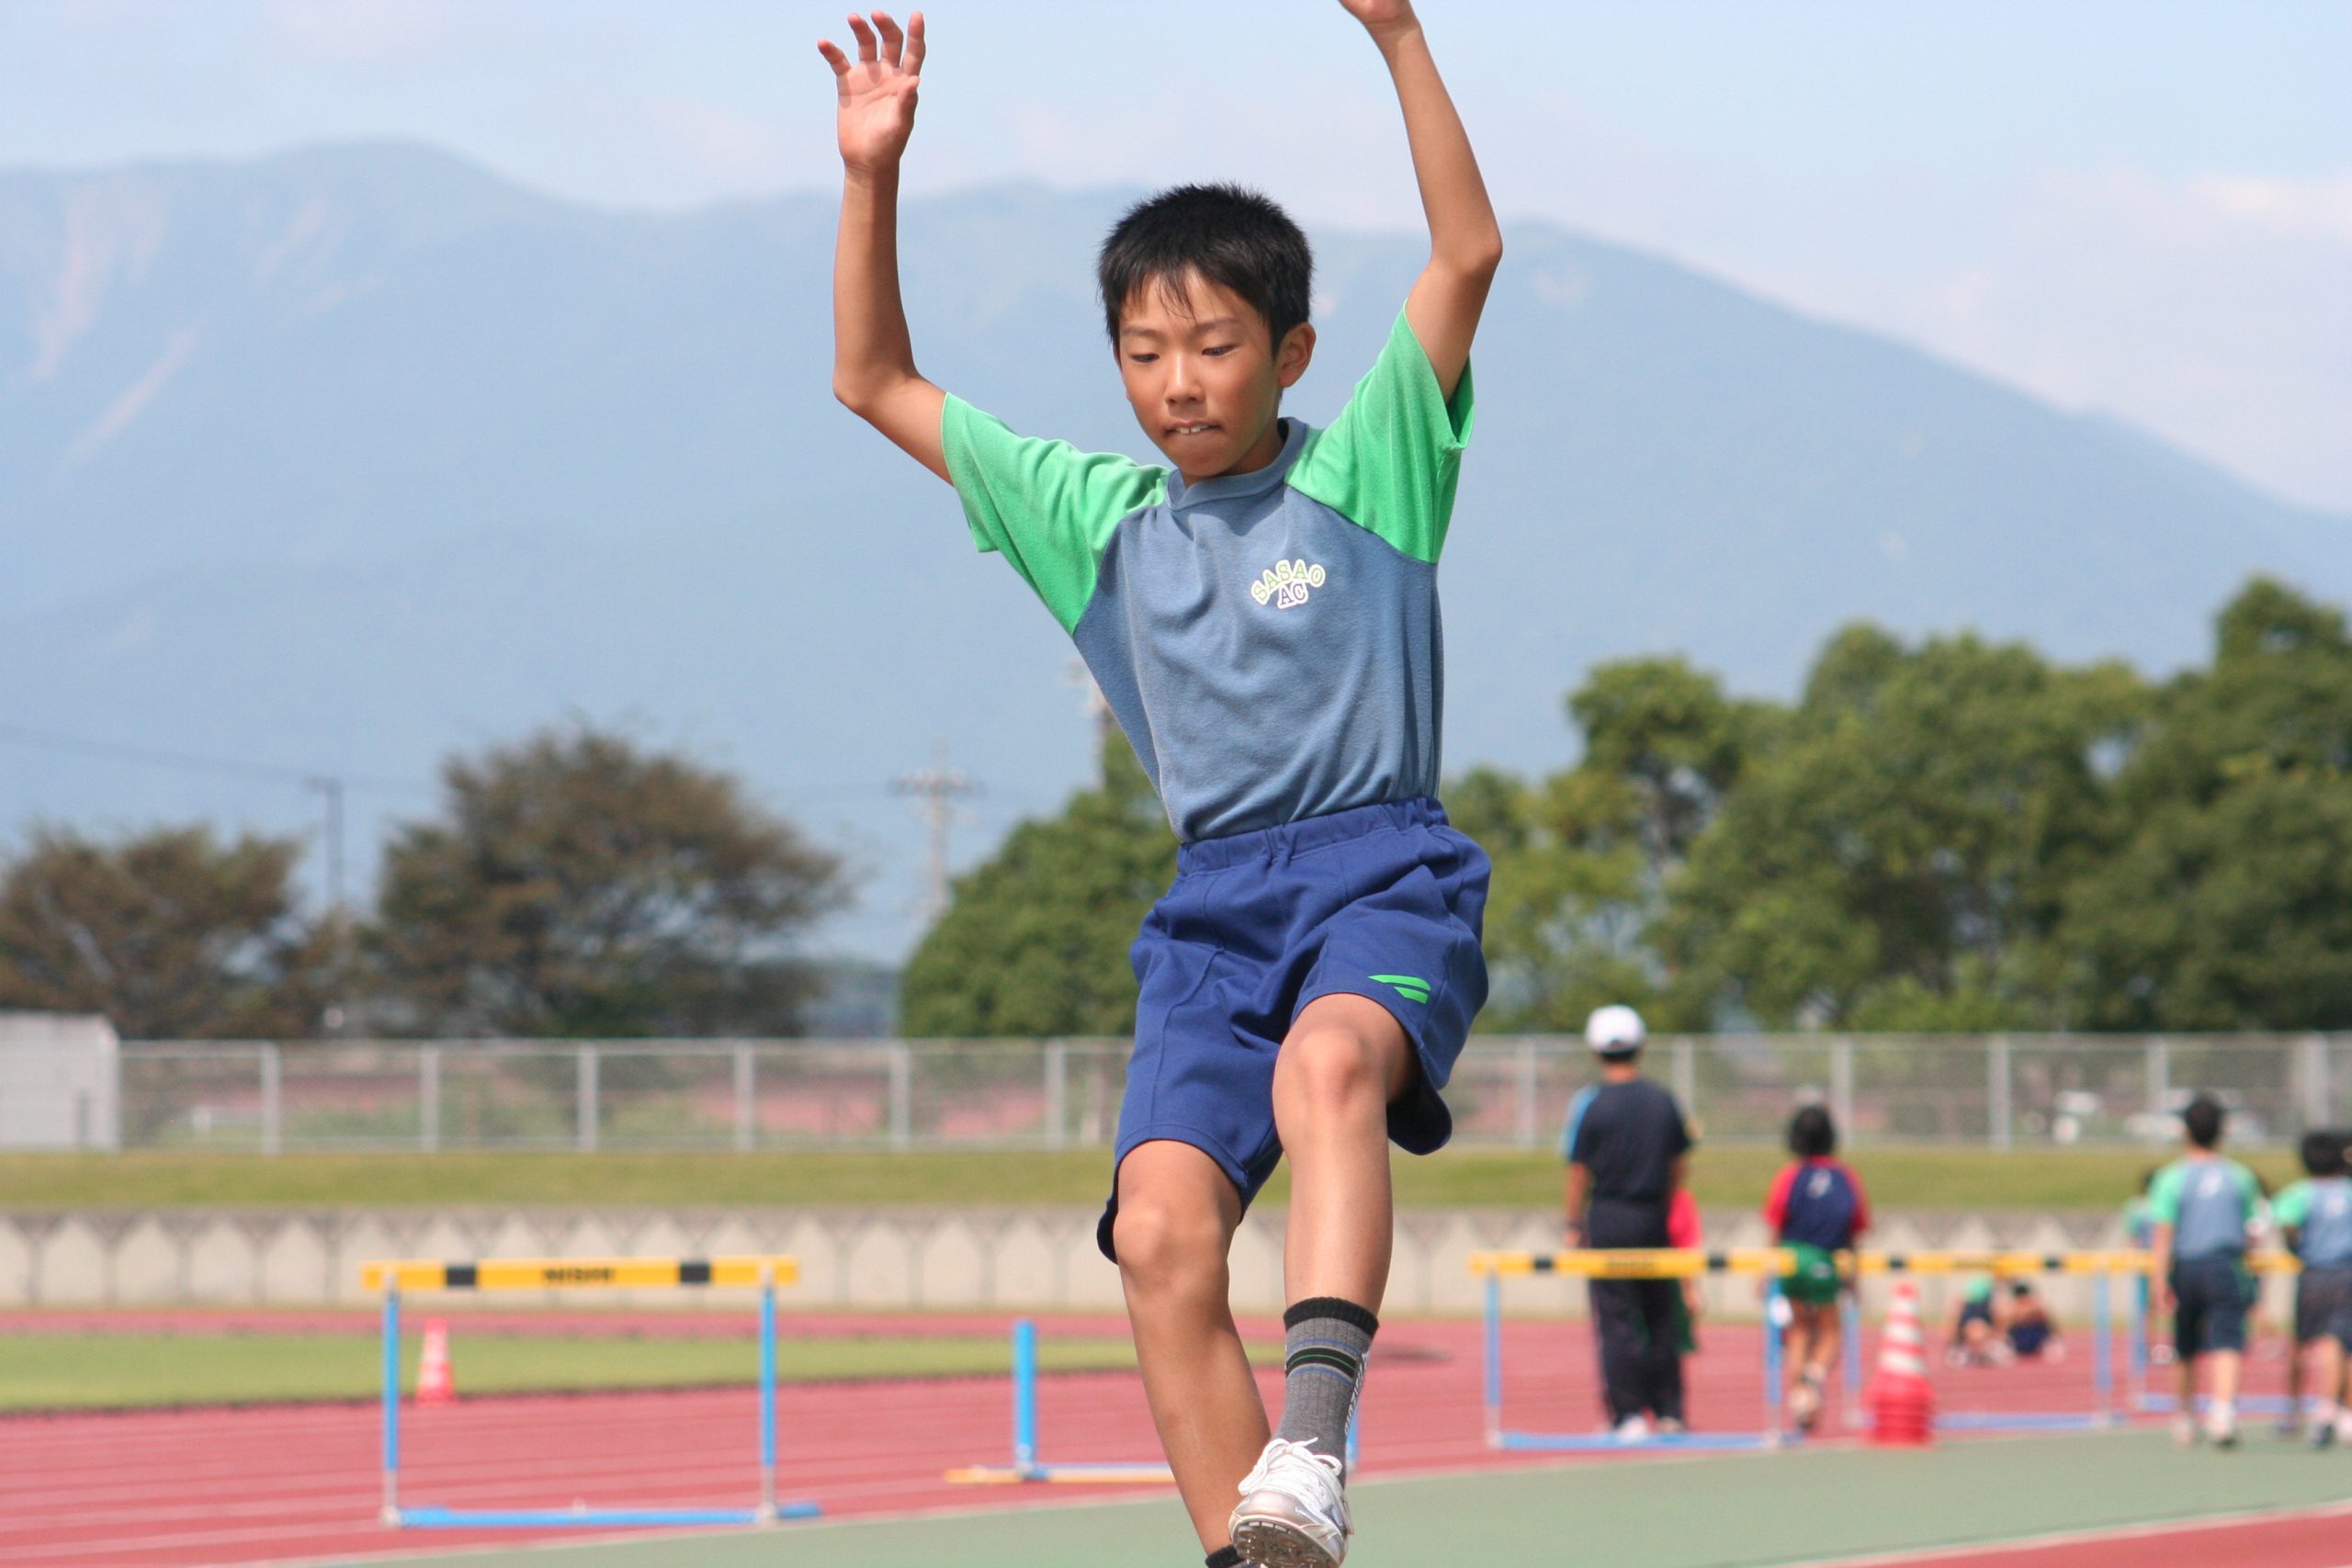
{"x": 2318, "y": 1539}
{"x": 271, "y": 1484}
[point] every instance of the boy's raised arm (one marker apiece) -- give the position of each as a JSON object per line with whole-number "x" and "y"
{"x": 1466, "y": 243}
{"x": 873, "y": 360}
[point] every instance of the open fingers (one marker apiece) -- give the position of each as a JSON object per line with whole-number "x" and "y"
{"x": 867, "y": 50}
{"x": 914, "y": 44}
{"x": 894, "y": 36}
{"x": 833, "y": 56}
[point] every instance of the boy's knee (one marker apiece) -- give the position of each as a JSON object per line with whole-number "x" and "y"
{"x": 1333, "y": 1068}
{"x": 1169, "y": 1245}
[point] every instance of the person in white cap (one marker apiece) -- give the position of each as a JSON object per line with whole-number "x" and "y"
{"x": 1625, "y": 1146}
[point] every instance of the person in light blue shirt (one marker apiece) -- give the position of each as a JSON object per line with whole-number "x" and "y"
{"x": 2207, "y": 1208}
{"x": 2315, "y": 1216}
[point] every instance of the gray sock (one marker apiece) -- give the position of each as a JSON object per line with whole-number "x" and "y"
{"x": 1326, "y": 1343}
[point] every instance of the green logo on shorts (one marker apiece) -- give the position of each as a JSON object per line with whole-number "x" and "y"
{"x": 1412, "y": 988}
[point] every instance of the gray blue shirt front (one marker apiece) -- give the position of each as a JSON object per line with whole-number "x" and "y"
{"x": 1270, "y": 641}
{"x": 2320, "y": 1214}
{"x": 2209, "y": 1202}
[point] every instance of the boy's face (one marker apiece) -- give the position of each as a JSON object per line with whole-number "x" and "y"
{"x": 1205, "y": 378}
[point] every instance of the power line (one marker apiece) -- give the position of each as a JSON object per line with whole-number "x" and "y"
{"x": 192, "y": 761}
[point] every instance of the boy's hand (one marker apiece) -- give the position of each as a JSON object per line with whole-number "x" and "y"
{"x": 877, "y": 90}
{"x": 1381, "y": 16}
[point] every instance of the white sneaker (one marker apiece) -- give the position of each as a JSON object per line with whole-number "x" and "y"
{"x": 2344, "y": 1427}
{"x": 1294, "y": 1511}
{"x": 1634, "y": 1429}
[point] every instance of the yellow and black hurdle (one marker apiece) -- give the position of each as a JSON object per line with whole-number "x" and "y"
{"x": 766, "y": 1273}
{"x": 1774, "y": 1264}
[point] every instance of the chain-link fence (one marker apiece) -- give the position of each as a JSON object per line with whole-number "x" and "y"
{"x": 2004, "y": 1090}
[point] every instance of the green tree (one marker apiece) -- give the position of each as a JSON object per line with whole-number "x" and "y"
{"x": 1900, "y": 858}
{"x": 1034, "y": 941}
{"x": 171, "y": 934}
{"x": 1582, "y": 859}
{"x": 578, "y": 885}
{"x": 2230, "y": 904}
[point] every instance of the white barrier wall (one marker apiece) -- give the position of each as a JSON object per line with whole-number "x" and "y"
{"x": 58, "y": 1083}
{"x": 867, "y": 1260}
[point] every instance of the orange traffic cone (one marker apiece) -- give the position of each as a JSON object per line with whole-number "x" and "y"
{"x": 1903, "y": 1406}
{"x": 435, "y": 1383}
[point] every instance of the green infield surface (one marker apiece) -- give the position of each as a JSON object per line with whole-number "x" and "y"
{"x": 1745, "y": 1512}
{"x": 1734, "y": 1175}
{"x": 103, "y": 1372}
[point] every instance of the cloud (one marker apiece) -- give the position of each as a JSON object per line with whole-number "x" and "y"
{"x": 2208, "y": 309}
{"x": 366, "y": 33}
{"x": 726, "y": 148}
{"x": 2321, "y": 208}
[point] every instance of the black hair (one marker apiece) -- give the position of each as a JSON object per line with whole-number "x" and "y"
{"x": 2204, "y": 1119}
{"x": 1235, "y": 238}
{"x": 1812, "y": 1133}
{"x": 2323, "y": 1153}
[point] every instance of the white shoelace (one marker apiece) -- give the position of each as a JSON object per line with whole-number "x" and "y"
{"x": 1298, "y": 1471}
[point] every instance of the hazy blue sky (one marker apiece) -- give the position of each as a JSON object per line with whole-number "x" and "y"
{"x": 2141, "y": 207}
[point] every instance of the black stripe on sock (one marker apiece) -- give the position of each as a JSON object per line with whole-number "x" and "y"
{"x": 1323, "y": 1356}
{"x": 1345, "y": 1312}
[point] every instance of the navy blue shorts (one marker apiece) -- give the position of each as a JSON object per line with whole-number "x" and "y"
{"x": 2323, "y": 1305}
{"x": 2210, "y": 1296}
{"x": 1381, "y": 901}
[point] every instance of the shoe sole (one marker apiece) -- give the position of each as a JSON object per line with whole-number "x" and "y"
{"x": 1271, "y": 1543}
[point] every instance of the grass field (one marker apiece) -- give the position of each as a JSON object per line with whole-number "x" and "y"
{"x": 1898, "y": 1177}
{"x": 126, "y": 1370}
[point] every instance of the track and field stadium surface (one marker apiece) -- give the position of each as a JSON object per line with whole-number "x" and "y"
{"x": 300, "y": 1483}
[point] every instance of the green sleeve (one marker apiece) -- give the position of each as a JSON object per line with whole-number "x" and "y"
{"x": 2163, "y": 1198}
{"x": 1050, "y": 508}
{"x": 1390, "y": 461}
{"x": 2293, "y": 1206}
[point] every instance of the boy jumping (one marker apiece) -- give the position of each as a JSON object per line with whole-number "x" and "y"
{"x": 1262, "y": 615}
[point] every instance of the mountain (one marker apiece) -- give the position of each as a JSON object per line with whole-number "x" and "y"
{"x": 343, "y": 459}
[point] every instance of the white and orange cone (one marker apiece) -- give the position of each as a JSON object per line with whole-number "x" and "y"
{"x": 436, "y": 1384}
{"x": 1903, "y": 1405}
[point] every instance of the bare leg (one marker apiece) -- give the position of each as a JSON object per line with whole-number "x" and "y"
{"x": 1344, "y": 1060}
{"x": 1828, "y": 1334}
{"x": 2226, "y": 1365}
{"x": 1178, "y": 1211}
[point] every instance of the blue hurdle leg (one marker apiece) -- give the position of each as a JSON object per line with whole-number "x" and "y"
{"x": 1025, "y": 1395}
{"x": 391, "y": 1401}
{"x": 1494, "y": 1360}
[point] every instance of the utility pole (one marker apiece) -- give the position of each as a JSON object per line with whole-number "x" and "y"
{"x": 330, "y": 789}
{"x": 1100, "y": 718}
{"x": 937, "y": 788}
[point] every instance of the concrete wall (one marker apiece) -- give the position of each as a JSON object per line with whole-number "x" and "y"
{"x": 58, "y": 1083}
{"x": 874, "y": 1259}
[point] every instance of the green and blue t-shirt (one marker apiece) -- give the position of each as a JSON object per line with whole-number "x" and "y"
{"x": 1270, "y": 641}
{"x": 2209, "y": 1202}
{"x": 2320, "y": 1212}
